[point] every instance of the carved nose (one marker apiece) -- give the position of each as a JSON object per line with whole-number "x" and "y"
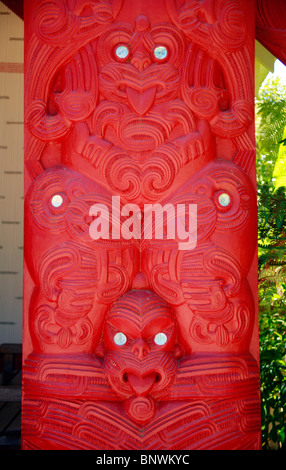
{"x": 140, "y": 348}
{"x": 141, "y": 61}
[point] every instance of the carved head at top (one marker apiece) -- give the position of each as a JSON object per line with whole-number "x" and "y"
{"x": 138, "y": 64}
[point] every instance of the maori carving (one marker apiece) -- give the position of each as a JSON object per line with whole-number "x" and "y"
{"x": 140, "y": 363}
{"x": 140, "y": 328}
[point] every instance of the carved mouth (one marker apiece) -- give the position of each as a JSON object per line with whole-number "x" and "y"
{"x": 152, "y": 376}
{"x": 141, "y": 384}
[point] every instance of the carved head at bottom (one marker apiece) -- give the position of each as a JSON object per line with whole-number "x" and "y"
{"x": 141, "y": 352}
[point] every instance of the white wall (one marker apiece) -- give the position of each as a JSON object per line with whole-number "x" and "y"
{"x": 11, "y": 174}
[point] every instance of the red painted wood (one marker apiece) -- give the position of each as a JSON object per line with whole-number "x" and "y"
{"x": 132, "y": 341}
{"x": 270, "y": 23}
{"x": 271, "y": 27}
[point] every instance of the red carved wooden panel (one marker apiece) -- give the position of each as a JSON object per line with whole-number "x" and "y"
{"x": 140, "y": 322}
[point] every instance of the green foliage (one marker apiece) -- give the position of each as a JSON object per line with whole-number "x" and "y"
{"x": 280, "y": 166}
{"x": 270, "y": 125}
{"x": 273, "y": 366}
{"x": 271, "y": 179}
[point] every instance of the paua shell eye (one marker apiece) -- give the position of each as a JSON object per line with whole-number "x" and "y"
{"x": 160, "y": 339}
{"x": 160, "y": 52}
{"x": 224, "y": 199}
{"x": 120, "y": 339}
{"x": 122, "y": 52}
{"x": 57, "y": 200}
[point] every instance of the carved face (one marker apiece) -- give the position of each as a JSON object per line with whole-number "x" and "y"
{"x": 138, "y": 70}
{"x": 139, "y": 65}
{"x": 140, "y": 335}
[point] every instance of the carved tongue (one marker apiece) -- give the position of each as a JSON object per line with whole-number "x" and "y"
{"x": 141, "y": 102}
{"x": 141, "y": 386}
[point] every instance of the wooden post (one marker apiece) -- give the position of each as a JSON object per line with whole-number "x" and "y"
{"x": 139, "y": 120}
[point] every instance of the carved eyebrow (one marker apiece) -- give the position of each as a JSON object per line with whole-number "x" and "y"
{"x": 114, "y": 331}
{"x": 141, "y": 313}
{"x": 167, "y": 329}
{"x": 123, "y": 323}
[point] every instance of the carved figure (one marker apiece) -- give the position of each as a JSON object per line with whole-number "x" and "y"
{"x": 135, "y": 341}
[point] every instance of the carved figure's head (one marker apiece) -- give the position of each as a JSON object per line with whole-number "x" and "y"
{"x": 139, "y": 70}
{"x": 139, "y": 63}
{"x": 141, "y": 358}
